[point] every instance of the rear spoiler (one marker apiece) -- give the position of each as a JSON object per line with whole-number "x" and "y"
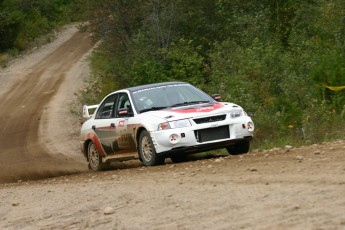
{"x": 86, "y": 109}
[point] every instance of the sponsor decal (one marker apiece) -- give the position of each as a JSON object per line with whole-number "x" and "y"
{"x": 121, "y": 123}
{"x": 159, "y": 87}
{"x": 121, "y": 112}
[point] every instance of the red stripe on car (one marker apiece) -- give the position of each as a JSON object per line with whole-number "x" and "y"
{"x": 97, "y": 143}
{"x": 198, "y": 110}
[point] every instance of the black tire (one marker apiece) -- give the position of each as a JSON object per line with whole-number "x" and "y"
{"x": 238, "y": 148}
{"x": 147, "y": 151}
{"x": 178, "y": 158}
{"x": 95, "y": 160}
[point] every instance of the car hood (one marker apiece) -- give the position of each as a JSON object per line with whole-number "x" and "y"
{"x": 192, "y": 111}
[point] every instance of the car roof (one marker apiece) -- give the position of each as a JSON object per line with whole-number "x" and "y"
{"x": 140, "y": 87}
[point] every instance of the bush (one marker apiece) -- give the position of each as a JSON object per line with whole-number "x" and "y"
{"x": 23, "y": 21}
{"x": 271, "y": 58}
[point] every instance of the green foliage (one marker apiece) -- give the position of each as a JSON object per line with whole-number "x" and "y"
{"x": 271, "y": 57}
{"x": 183, "y": 62}
{"x": 22, "y": 21}
{"x": 10, "y": 24}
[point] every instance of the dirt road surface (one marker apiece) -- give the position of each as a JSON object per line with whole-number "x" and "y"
{"x": 287, "y": 188}
{"x": 28, "y": 88}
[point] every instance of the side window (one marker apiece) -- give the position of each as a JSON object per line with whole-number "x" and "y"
{"x": 106, "y": 110}
{"x": 123, "y": 104}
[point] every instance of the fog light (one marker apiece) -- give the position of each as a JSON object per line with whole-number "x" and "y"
{"x": 250, "y": 126}
{"x": 174, "y": 139}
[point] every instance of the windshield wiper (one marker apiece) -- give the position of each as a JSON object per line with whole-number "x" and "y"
{"x": 152, "y": 109}
{"x": 189, "y": 103}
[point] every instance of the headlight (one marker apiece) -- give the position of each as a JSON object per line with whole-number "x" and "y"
{"x": 179, "y": 124}
{"x": 174, "y": 124}
{"x": 237, "y": 113}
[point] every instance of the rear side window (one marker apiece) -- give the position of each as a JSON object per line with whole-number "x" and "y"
{"x": 123, "y": 103}
{"x": 106, "y": 110}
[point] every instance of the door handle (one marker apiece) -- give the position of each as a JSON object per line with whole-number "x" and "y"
{"x": 112, "y": 125}
{"x": 93, "y": 127}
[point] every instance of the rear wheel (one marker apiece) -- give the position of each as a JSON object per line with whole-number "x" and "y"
{"x": 238, "y": 148}
{"x": 95, "y": 160}
{"x": 147, "y": 151}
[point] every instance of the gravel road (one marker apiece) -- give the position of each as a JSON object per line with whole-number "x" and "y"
{"x": 45, "y": 183}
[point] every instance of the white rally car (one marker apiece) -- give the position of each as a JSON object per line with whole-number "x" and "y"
{"x": 155, "y": 121}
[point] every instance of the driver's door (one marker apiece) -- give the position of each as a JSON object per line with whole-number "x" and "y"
{"x": 104, "y": 124}
{"x": 124, "y": 139}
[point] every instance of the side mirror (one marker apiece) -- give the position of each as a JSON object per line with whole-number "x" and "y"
{"x": 216, "y": 97}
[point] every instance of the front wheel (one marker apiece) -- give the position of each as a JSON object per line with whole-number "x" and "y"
{"x": 95, "y": 160}
{"x": 147, "y": 151}
{"x": 238, "y": 148}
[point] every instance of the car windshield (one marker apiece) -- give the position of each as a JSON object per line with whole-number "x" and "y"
{"x": 168, "y": 96}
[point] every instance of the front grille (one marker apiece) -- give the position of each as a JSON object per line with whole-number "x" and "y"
{"x": 209, "y": 119}
{"x": 212, "y": 134}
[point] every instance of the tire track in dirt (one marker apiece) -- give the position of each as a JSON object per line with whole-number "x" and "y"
{"x": 23, "y": 156}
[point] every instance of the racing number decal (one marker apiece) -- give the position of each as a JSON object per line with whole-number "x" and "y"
{"x": 121, "y": 123}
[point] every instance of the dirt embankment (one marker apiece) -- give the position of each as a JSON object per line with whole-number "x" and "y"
{"x": 289, "y": 188}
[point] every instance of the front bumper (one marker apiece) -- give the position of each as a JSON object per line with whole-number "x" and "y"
{"x": 204, "y": 147}
{"x": 214, "y": 136}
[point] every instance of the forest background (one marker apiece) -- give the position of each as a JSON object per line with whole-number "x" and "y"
{"x": 272, "y": 57}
